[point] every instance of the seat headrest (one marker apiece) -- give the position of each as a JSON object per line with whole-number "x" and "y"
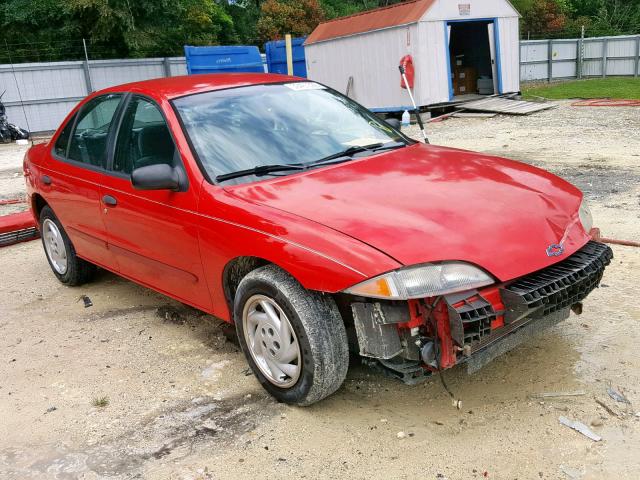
{"x": 155, "y": 140}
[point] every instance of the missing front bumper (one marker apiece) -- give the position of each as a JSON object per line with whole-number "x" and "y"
{"x": 474, "y": 327}
{"x": 509, "y": 337}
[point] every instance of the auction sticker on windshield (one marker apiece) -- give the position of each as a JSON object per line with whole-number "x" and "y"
{"x": 305, "y": 86}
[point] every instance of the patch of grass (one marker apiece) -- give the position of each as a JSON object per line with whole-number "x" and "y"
{"x": 617, "y": 88}
{"x": 100, "y": 402}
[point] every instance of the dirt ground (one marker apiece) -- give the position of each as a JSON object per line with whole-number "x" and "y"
{"x": 178, "y": 403}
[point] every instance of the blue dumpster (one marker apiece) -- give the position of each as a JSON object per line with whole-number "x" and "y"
{"x": 226, "y": 59}
{"x": 277, "y": 56}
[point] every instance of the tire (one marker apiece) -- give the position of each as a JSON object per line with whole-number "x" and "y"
{"x": 61, "y": 255}
{"x": 317, "y": 330}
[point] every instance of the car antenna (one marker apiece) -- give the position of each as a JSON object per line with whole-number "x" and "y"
{"x": 15, "y": 79}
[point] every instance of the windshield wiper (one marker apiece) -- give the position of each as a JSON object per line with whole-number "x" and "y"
{"x": 342, "y": 156}
{"x": 349, "y": 152}
{"x": 259, "y": 170}
{"x": 390, "y": 146}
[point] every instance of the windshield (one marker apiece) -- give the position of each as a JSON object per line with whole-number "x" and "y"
{"x": 279, "y": 124}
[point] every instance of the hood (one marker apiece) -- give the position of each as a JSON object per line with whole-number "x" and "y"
{"x": 425, "y": 203}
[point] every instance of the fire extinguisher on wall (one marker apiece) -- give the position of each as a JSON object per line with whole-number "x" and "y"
{"x": 406, "y": 63}
{"x": 407, "y": 77}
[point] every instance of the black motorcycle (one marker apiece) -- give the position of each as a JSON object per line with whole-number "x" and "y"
{"x": 9, "y": 131}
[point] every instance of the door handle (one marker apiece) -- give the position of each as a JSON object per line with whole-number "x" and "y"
{"x": 109, "y": 200}
{"x": 46, "y": 179}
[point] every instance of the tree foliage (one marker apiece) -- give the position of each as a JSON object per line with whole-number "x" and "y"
{"x": 279, "y": 17}
{"x": 544, "y": 17}
{"x": 566, "y": 17}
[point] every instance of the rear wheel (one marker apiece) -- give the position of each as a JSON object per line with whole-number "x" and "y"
{"x": 294, "y": 339}
{"x": 66, "y": 265}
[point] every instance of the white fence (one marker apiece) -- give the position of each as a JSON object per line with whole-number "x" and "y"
{"x": 575, "y": 58}
{"x": 50, "y": 90}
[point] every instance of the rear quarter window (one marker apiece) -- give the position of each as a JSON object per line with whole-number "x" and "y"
{"x": 62, "y": 142}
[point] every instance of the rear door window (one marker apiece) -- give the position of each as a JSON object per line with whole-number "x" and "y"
{"x": 144, "y": 138}
{"x": 89, "y": 139}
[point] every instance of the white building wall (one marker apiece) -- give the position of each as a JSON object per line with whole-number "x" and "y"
{"x": 372, "y": 60}
{"x": 450, "y": 10}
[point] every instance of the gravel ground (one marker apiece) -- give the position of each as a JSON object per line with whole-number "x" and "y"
{"x": 179, "y": 403}
{"x": 11, "y": 180}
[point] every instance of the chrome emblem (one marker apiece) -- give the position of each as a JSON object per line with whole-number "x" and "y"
{"x": 555, "y": 250}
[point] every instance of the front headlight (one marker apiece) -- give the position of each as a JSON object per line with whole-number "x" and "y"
{"x": 427, "y": 280}
{"x": 585, "y": 216}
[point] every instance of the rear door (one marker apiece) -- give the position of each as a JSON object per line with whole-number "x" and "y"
{"x": 153, "y": 234}
{"x": 70, "y": 183}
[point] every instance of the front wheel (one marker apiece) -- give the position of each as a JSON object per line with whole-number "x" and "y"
{"x": 294, "y": 339}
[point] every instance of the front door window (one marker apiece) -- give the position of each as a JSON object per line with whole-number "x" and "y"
{"x": 144, "y": 138}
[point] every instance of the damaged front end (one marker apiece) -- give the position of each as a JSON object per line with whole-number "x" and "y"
{"x": 411, "y": 339}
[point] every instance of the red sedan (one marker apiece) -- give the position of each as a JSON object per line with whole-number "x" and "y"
{"x": 317, "y": 228}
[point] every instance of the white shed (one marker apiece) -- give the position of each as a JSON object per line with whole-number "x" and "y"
{"x": 449, "y": 41}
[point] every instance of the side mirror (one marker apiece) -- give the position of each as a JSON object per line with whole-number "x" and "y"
{"x": 394, "y": 122}
{"x": 159, "y": 177}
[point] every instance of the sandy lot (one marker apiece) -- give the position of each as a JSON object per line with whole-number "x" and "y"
{"x": 181, "y": 405}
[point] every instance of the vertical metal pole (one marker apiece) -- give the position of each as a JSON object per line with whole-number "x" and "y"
{"x": 550, "y": 61}
{"x": 15, "y": 79}
{"x": 580, "y": 54}
{"x": 604, "y": 57}
{"x": 87, "y": 70}
{"x": 289, "y": 50}
{"x": 166, "y": 64}
{"x": 637, "y": 71}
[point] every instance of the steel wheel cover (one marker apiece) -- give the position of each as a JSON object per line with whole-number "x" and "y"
{"x": 271, "y": 341}
{"x": 54, "y": 246}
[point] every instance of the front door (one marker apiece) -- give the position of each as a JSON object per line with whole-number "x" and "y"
{"x": 152, "y": 233}
{"x": 71, "y": 182}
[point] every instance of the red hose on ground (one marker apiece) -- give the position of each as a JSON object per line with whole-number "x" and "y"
{"x": 595, "y": 234}
{"x": 12, "y": 201}
{"x": 606, "y": 102}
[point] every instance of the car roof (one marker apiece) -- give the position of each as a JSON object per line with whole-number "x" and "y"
{"x": 172, "y": 87}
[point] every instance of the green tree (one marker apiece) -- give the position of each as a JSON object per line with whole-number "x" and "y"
{"x": 153, "y": 27}
{"x": 544, "y": 17}
{"x": 244, "y": 14}
{"x": 341, "y": 8}
{"x": 36, "y": 26}
{"x": 616, "y": 17}
{"x": 279, "y": 17}
{"x": 54, "y": 29}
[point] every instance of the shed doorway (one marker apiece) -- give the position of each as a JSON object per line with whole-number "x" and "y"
{"x": 473, "y": 61}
